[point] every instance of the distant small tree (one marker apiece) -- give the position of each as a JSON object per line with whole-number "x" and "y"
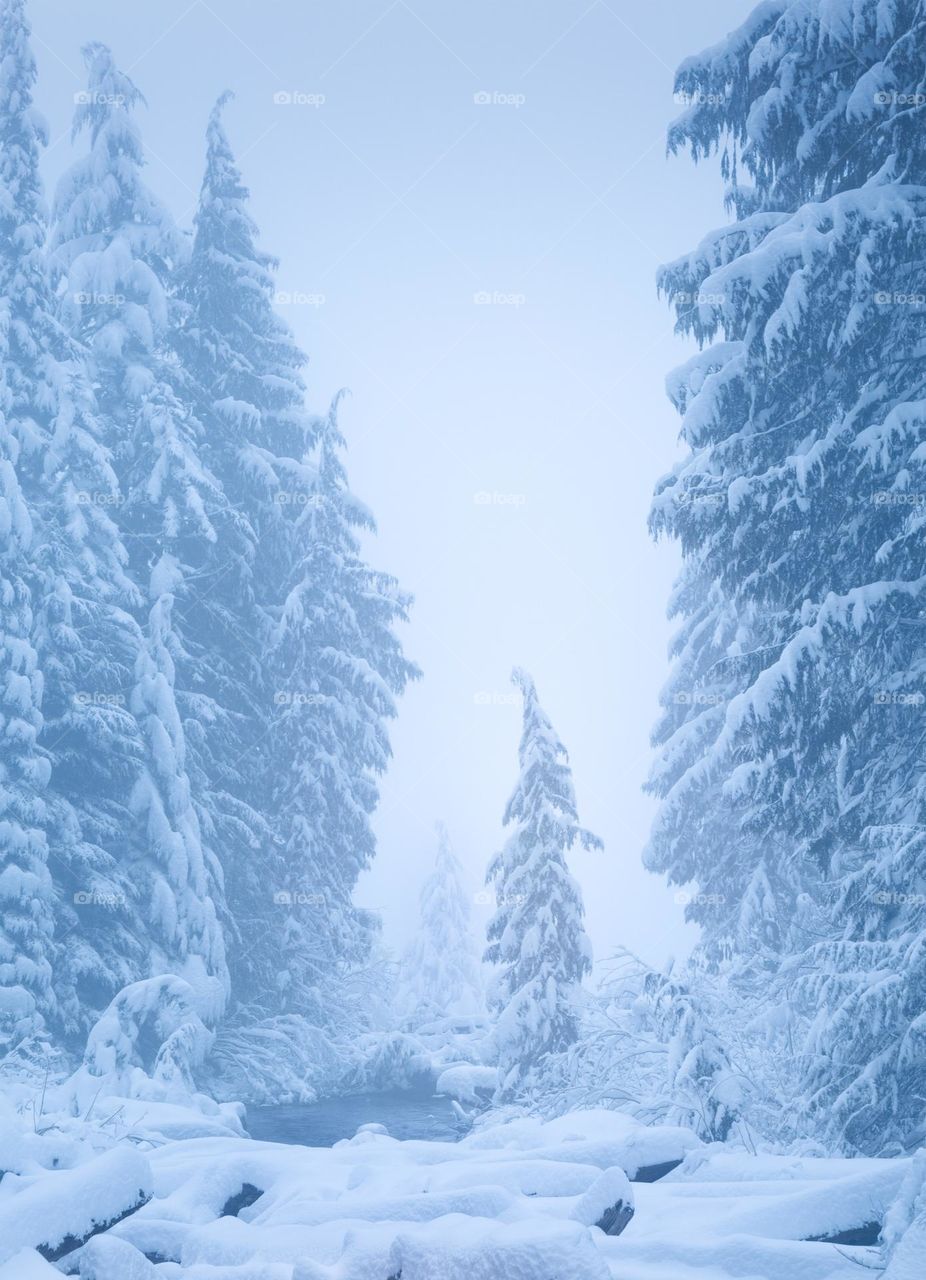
{"x": 440, "y": 974}
{"x": 536, "y": 936}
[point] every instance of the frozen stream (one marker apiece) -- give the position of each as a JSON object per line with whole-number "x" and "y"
{"x": 405, "y": 1114}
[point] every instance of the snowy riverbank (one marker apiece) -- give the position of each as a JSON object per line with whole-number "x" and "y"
{"x": 515, "y": 1200}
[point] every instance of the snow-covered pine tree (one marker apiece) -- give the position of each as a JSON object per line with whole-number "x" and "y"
{"x": 114, "y": 249}
{"x": 338, "y": 667}
{"x": 85, "y": 643}
{"x": 536, "y": 936}
{"x": 26, "y": 892}
{"x": 245, "y": 361}
{"x": 244, "y": 371}
{"x": 440, "y": 976}
{"x": 793, "y": 791}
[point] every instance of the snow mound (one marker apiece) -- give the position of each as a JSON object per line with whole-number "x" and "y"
{"x": 107, "y": 1259}
{"x": 524, "y": 1200}
{"x": 907, "y": 1261}
{"x": 596, "y": 1136}
{"x": 611, "y": 1190}
{"x": 521, "y": 1200}
{"x": 465, "y": 1082}
{"x": 52, "y": 1209}
{"x": 28, "y": 1265}
{"x": 534, "y": 1250}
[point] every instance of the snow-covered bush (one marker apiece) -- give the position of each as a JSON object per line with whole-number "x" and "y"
{"x": 650, "y": 1045}
{"x": 278, "y": 1059}
{"x": 706, "y": 1092}
{"x": 149, "y": 1043}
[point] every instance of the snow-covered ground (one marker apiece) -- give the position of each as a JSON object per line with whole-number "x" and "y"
{"x": 516, "y": 1201}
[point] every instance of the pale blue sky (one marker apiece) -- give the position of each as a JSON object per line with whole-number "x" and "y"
{"x": 399, "y": 199}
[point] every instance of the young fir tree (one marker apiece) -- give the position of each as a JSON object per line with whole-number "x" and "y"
{"x": 114, "y": 248}
{"x": 536, "y": 937}
{"x": 244, "y": 371}
{"x": 337, "y": 667}
{"x": 797, "y": 796}
{"x": 706, "y": 1093}
{"x": 440, "y": 972}
{"x": 85, "y": 641}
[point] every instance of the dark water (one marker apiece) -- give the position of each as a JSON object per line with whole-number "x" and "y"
{"x": 321, "y": 1124}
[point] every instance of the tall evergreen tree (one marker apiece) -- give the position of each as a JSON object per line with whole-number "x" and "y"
{"x": 178, "y": 545}
{"x": 439, "y": 972}
{"x": 85, "y": 643}
{"x": 114, "y": 249}
{"x": 794, "y": 796}
{"x": 338, "y": 667}
{"x": 246, "y": 364}
{"x": 26, "y": 894}
{"x": 536, "y": 937}
{"x": 244, "y": 372}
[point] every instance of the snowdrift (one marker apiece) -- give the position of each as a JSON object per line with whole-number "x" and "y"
{"x": 526, "y": 1200}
